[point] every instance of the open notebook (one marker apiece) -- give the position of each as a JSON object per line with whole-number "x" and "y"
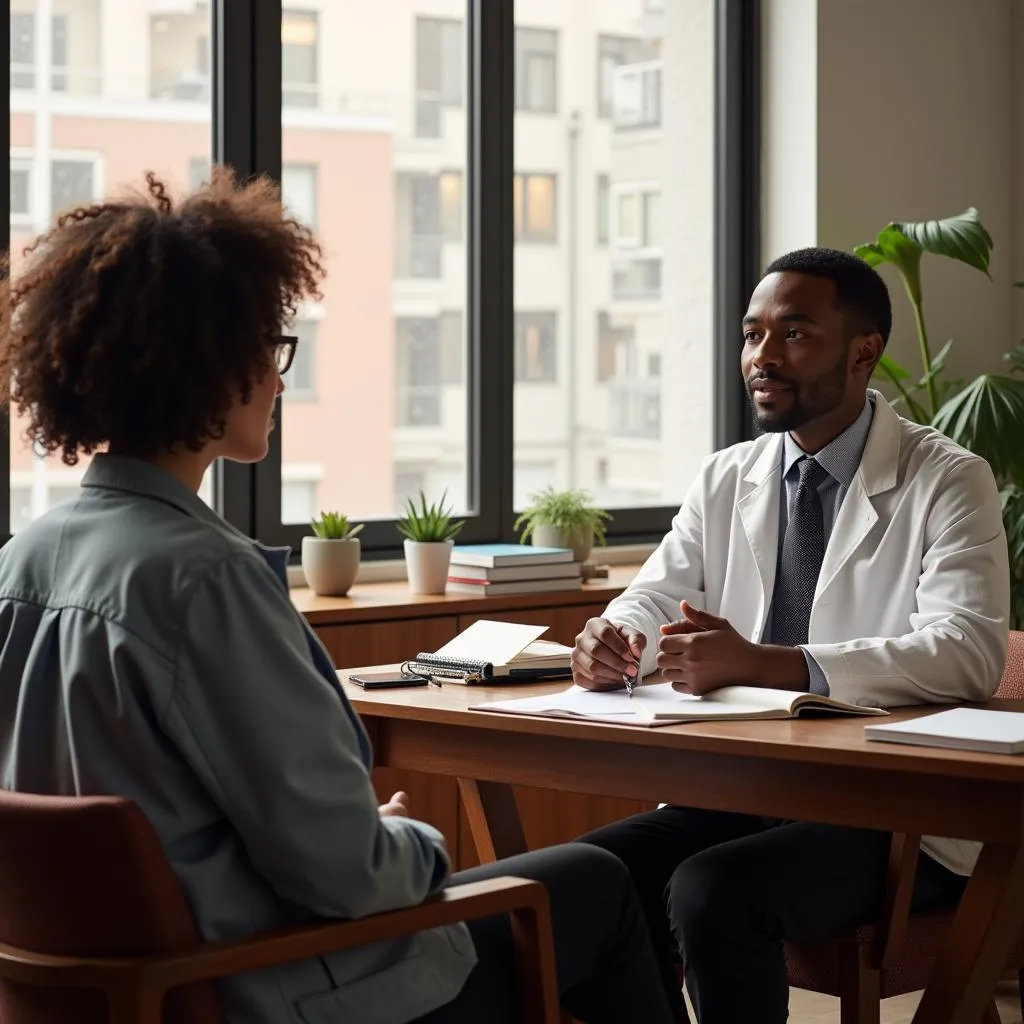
{"x": 491, "y": 650}
{"x": 659, "y": 704}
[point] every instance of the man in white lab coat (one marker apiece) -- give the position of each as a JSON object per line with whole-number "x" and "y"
{"x": 845, "y": 551}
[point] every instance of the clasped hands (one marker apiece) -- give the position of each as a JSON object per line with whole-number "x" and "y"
{"x": 698, "y": 652}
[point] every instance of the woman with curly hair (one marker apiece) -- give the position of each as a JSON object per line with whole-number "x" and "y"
{"x": 149, "y": 650}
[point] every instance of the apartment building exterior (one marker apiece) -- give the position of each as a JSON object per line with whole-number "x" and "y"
{"x": 612, "y": 200}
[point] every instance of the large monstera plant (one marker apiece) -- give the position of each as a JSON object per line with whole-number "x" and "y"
{"x": 985, "y": 414}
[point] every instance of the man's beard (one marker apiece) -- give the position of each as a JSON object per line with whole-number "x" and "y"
{"x": 810, "y": 401}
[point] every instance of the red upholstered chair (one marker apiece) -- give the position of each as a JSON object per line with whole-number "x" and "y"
{"x": 94, "y": 926}
{"x": 897, "y": 954}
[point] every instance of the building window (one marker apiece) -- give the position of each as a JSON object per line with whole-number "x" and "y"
{"x": 536, "y": 70}
{"x": 418, "y": 372}
{"x": 179, "y": 57}
{"x": 452, "y": 344}
{"x": 23, "y": 50}
{"x": 440, "y": 72}
{"x": 299, "y": 75}
{"x": 637, "y": 95}
{"x": 21, "y": 191}
{"x": 533, "y": 201}
{"x": 449, "y": 189}
{"x": 298, "y": 501}
{"x": 72, "y": 183}
{"x": 409, "y": 482}
{"x": 603, "y": 188}
{"x": 419, "y": 234}
{"x": 614, "y": 341}
{"x": 614, "y": 52}
{"x": 198, "y": 172}
{"x": 536, "y": 356}
{"x": 298, "y": 191}
{"x": 653, "y": 364}
{"x": 300, "y": 380}
{"x": 59, "y": 53}
{"x": 637, "y": 217}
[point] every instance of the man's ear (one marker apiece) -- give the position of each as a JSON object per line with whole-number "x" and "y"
{"x": 866, "y": 349}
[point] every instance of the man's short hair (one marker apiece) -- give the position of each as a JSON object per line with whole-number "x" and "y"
{"x": 861, "y": 293}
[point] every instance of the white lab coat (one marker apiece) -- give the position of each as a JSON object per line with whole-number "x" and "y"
{"x": 912, "y": 604}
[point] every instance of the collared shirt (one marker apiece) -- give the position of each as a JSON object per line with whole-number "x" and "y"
{"x": 151, "y": 651}
{"x": 840, "y": 459}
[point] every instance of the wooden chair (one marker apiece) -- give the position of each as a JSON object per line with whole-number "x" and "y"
{"x": 94, "y": 926}
{"x": 897, "y": 954}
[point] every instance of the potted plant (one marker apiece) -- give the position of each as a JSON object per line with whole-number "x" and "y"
{"x": 429, "y": 533}
{"x": 330, "y": 558}
{"x": 986, "y": 414}
{"x": 563, "y": 519}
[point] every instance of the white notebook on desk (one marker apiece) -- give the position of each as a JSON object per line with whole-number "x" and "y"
{"x": 659, "y": 704}
{"x": 993, "y": 732}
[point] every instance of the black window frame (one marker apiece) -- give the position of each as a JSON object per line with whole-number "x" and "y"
{"x": 247, "y": 129}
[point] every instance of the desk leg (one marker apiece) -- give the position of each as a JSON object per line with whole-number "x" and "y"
{"x": 493, "y": 819}
{"x": 983, "y": 934}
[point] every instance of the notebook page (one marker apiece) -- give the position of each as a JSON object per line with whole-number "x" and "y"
{"x": 495, "y": 642}
{"x": 574, "y": 701}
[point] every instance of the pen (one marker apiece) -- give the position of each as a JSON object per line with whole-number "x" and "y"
{"x": 628, "y": 680}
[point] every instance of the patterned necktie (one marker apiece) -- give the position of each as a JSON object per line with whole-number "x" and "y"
{"x": 803, "y": 549}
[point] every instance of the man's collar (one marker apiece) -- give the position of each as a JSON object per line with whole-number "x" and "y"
{"x": 841, "y": 456}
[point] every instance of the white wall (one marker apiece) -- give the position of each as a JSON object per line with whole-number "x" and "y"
{"x": 908, "y": 112}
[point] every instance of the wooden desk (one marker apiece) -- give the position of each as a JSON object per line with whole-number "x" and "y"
{"x": 817, "y": 770}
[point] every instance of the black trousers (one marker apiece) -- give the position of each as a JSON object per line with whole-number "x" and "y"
{"x": 607, "y": 972}
{"x": 725, "y": 890}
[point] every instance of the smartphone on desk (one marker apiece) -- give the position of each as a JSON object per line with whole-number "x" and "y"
{"x": 383, "y": 680}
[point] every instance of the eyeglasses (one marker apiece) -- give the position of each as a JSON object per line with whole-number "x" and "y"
{"x": 284, "y": 352}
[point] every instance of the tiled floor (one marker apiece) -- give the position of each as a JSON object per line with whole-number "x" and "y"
{"x": 811, "y": 1008}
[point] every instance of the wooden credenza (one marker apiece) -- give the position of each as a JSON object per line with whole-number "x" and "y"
{"x": 379, "y": 623}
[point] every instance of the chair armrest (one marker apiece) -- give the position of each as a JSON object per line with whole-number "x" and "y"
{"x": 218, "y": 959}
{"x": 899, "y": 890}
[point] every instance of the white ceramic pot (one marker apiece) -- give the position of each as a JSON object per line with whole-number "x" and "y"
{"x": 330, "y": 566}
{"x": 545, "y": 536}
{"x": 427, "y": 565}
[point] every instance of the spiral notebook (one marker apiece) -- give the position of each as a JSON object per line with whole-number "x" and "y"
{"x": 488, "y": 650}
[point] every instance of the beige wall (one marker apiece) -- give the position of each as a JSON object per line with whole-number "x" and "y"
{"x": 904, "y": 111}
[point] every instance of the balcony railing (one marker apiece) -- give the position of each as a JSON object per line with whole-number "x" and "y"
{"x": 63, "y": 79}
{"x": 180, "y": 85}
{"x": 637, "y": 278}
{"x": 634, "y": 407}
{"x": 418, "y": 405}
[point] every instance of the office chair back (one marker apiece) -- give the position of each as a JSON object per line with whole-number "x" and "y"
{"x": 87, "y": 876}
{"x": 1012, "y": 683}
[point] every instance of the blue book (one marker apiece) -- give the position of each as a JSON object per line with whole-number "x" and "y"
{"x": 493, "y": 555}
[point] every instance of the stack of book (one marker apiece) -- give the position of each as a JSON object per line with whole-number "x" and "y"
{"x": 496, "y": 569}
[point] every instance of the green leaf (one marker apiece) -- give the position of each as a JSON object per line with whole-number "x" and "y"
{"x": 987, "y": 417}
{"x": 891, "y": 369}
{"x": 962, "y": 238}
{"x": 894, "y": 246}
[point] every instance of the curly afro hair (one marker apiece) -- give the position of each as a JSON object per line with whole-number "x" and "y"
{"x": 135, "y": 324}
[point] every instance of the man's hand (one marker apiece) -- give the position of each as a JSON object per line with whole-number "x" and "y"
{"x": 701, "y": 652}
{"x": 604, "y": 653}
{"x": 396, "y": 807}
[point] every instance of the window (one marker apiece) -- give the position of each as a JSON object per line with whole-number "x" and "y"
{"x": 533, "y": 207}
{"x": 607, "y": 340}
{"x": 637, "y": 95}
{"x": 452, "y": 342}
{"x": 614, "y": 339}
{"x": 612, "y": 53}
{"x": 298, "y": 190}
{"x": 23, "y": 50}
{"x": 299, "y": 74}
{"x": 21, "y": 191}
{"x": 72, "y": 183}
{"x": 536, "y": 70}
{"x": 536, "y": 348}
{"x": 418, "y": 368}
{"x": 440, "y": 71}
{"x": 603, "y": 188}
{"x": 449, "y": 187}
{"x": 637, "y": 220}
{"x": 179, "y": 56}
{"x": 300, "y": 380}
{"x": 299, "y": 500}
{"x": 64, "y": 155}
